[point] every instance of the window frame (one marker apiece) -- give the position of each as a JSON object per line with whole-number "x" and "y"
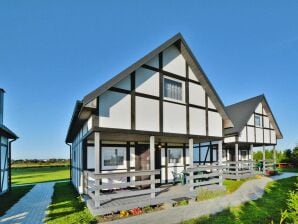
{"x": 180, "y": 163}
{"x": 111, "y": 167}
{"x": 182, "y": 89}
{"x": 260, "y": 120}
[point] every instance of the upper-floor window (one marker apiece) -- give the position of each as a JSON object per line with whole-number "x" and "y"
{"x": 173, "y": 89}
{"x": 258, "y": 121}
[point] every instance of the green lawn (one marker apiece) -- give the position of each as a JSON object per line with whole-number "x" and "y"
{"x": 295, "y": 170}
{"x": 39, "y": 174}
{"x": 264, "y": 210}
{"x": 10, "y": 198}
{"x": 67, "y": 207}
{"x": 231, "y": 186}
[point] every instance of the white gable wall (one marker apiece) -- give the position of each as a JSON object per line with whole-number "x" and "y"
{"x": 147, "y": 81}
{"x": 197, "y": 126}
{"x": 196, "y": 95}
{"x": 173, "y": 61}
{"x": 147, "y": 114}
{"x": 114, "y": 110}
{"x": 214, "y": 124}
{"x": 174, "y": 118}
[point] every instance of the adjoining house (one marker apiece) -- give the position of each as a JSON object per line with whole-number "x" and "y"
{"x": 6, "y": 138}
{"x": 149, "y": 126}
{"x": 254, "y": 126}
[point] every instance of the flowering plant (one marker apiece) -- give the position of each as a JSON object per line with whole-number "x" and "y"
{"x": 124, "y": 213}
{"x": 136, "y": 211}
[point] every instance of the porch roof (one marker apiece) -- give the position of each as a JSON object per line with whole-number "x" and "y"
{"x": 109, "y": 134}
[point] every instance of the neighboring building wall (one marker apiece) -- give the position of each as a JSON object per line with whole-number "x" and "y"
{"x": 138, "y": 102}
{"x": 261, "y": 132}
{"x": 4, "y": 166}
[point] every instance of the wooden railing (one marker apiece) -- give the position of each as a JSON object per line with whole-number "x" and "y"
{"x": 97, "y": 184}
{"x": 236, "y": 170}
{"x": 202, "y": 175}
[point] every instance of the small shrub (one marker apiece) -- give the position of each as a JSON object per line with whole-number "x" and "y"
{"x": 290, "y": 215}
{"x": 148, "y": 209}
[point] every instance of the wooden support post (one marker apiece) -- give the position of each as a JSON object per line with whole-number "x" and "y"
{"x": 152, "y": 165}
{"x": 190, "y": 150}
{"x": 97, "y": 166}
{"x": 220, "y": 162}
{"x": 236, "y": 160}
{"x": 274, "y": 157}
{"x": 251, "y": 157}
{"x": 264, "y": 160}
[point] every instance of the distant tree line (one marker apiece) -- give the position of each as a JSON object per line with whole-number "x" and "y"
{"x": 40, "y": 162}
{"x": 286, "y": 156}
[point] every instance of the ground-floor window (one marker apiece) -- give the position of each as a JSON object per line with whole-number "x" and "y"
{"x": 113, "y": 157}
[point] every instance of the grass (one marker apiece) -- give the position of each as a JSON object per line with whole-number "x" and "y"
{"x": 295, "y": 170}
{"x": 39, "y": 174}
{"x": 10, "y": 198}
{"x": 264, "y": 210}
{"x": 231, "y": 186}
{"x": 67, "y": 207}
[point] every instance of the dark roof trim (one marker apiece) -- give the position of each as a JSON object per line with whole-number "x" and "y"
{"x": 73, "y": 122}
{"x": 189, "y": 57}
{"x": 4, "y": 131}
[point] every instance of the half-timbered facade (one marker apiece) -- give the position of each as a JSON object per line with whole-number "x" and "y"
{"x": 254, "y": 126}
{"x": 6, "y": 137}
{"x": 149, "y": 124}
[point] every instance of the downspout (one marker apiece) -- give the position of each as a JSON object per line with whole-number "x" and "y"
{"x": 70, "y": 160}
{"x": 9, "y": 163}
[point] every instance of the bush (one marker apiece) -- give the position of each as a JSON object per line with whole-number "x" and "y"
{"x": 290, "y": 215}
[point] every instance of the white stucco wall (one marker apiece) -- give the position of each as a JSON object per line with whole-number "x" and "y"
{"x": 147, "y": 81}
{"x": 114, "y": 110}
{"x": 124, "y": 84}
{"x": 197, "y": 124}
{"x": 196, "y": 94}
{"x": 147, "y": 114}
{"x": 215, "y": 124}
{"x": 174, "y": 118}
{"x": 191, "y": 75}
{"x": 173, "y": 61}
{"x": 250, "y": 134}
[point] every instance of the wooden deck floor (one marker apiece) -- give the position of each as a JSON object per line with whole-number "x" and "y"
{"x": 168, "y": 194}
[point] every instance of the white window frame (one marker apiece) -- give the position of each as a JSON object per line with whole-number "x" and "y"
{"x": 260, "y": 123}
{"x": 183, "y": 89}
{"x": 106, "y": 148}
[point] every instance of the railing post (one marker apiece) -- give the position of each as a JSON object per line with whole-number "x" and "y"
{"x": 97, "y": 167}
{"x": 220, "y": 162}
{"x": 152, "y": 165}
{"x": 190, "y": 150}
{"x": 274, "y": 157}
{"x": 251, "y": 157}
{"x": 264, "y": 160}
{"x": 236, "y": 160}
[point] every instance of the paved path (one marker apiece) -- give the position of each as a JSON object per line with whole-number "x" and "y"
{"x": 250, "y": 190}
{"x": 31, "y": 208}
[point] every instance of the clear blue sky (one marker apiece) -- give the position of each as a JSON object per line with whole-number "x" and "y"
{"x": 55, "y": 52}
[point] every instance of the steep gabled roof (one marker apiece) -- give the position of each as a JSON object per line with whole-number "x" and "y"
{"x": 190, "y": 59}
{"x": 241, "y": 112}
{"x": 7, "y": 132}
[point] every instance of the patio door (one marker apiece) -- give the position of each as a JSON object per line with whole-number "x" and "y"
{"x": 142, "y": 157}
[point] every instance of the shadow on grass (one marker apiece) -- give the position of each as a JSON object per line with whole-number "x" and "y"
{"x": 8, "y": 199}
{"x": 66, "y": 206}
{"x": 264, "y": 210}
